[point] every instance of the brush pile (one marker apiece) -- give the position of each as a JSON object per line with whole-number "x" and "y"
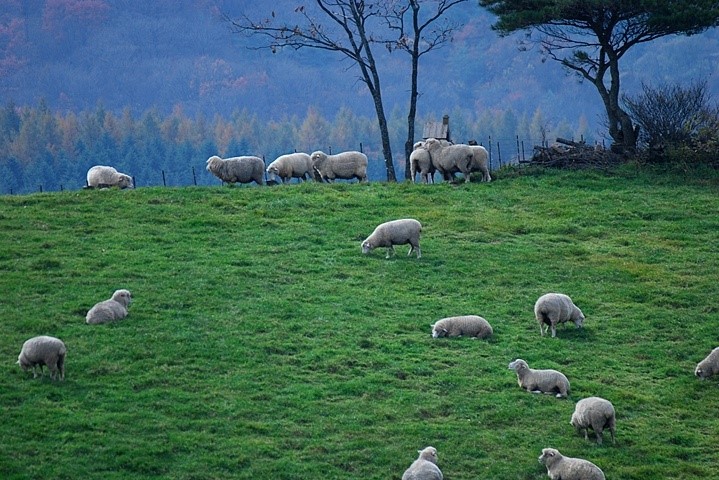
{"x": 569, "y": 154}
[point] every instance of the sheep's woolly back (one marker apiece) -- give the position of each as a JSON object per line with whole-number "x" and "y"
{"x": 425, "y": 467}
{"x": 480, "y": 162}
{"x": 709, "y": 366}
{"x": 560, "y": 467}
{"x": 244, "y": 169}
{"x": 595, "y": 413}
{"x": 540, "y": 381}
{"x": 343, "y": 165}
{"x": 449, "y": 159}
{"x": 396, "y": 232}
{"x": 553, "y": 308}
{"x": 466, "y": 325}
{"x": 421, "y": 161}
{"x": 43, "y": 350}
{"x": 104, "y": 176}
{"x": 291, "y": 165}
{"x": 109, "y": 310}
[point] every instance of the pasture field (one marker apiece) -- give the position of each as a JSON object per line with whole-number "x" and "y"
{"x": 262, "y": 344}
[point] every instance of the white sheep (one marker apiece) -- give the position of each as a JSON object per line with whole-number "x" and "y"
{"x": 480, "y": 162}
{"x": 421, "y": 161}
{"x": 425, "y": 467}
{"x": 540, "y": 381}
{"x": 289, "y": 166}
{"x": 43, "y": 350}
{"x": 560, "y": 467}
{"x": 595, "y": 413}
{"x": 108, "y": 310}
{"x": 553, "y": 308}
{"x": 466, "y": 325}
{"x": 449, "y": 159}
{"x": 102, "y": 176}
{"x": 244, "y": 169}
{"x": 395, "y": 232}
{"x": 343, "y": 165}
{"x": 709, "y": 366}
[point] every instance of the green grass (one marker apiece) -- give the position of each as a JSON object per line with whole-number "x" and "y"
{"x": 262, "y": 344}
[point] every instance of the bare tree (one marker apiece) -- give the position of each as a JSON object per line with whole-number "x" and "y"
{"x": 417, "y": 35}
{"x": 342, "y": 26}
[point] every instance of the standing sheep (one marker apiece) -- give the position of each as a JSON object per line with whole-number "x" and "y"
{"x": 540, "y": 381}
{"x": 293, "y": 165}
{"x": 108, "y": 310}
{"x": 709, "y": 366}
{"x": 101, "y": 176}
{"x": 449, "y": 159}
{"x": 553, "y": 308}
{"x": 595, "y": 413}
{"x": 421, "y": 161}
{"x": 43, "y": 350}
{"x": 425, "y": 467}
{"x": 470, "y": 325}
{"x": 245, "y": 169}
{"x": 560, "y": 467}
{"x": 344, "y": 165}
{"x": 480, "y": 162}
{"x": 395, "y": 232}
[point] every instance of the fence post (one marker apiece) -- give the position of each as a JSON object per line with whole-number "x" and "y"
{"x": 518, "y": 154}
{"x": 164, "y": 184}
{"x": 499, "y": 154}
{"x": 194, "y": 177}
{"x": 489, "y": 143}
{"x": 361, "y": 149}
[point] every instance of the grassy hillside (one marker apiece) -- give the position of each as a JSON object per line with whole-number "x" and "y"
{"x": 262, "y": 344}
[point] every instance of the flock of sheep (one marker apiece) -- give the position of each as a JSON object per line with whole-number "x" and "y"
{"x": 550, "y": 309}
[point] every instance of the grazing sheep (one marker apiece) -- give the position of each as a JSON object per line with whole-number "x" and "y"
{"x": 480, "y": 162}
{"x": 421, "y": 161}
{"x": 101, "y": 176}
{"x": 540, "y": 381}
{"x": 469, "y": 325}
{"x": 554, "y": 308}
{"x": 293, "y": 165}
{"x": 395, "y": 232}
{"x": 560, "y": 467}
{"x": 595, "y": 413}
{"x": 425, "y": 467}
{"x": 109, "y": 310}
{"x": 43, "y": 350}
{"x": 449, "y": 159}
{"x": 344, "y": 165}
{"x": 709, "y": 366}
{"x": 237, "y": 169}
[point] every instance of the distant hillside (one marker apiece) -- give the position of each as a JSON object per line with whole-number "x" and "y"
{"x": 76, "y": 54}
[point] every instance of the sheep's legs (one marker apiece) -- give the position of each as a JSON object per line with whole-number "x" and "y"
{"x": 390, "y": 251}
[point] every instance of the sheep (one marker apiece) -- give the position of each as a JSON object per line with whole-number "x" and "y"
{"x": 554, "y": 308}
{"x": 293, "y": 165}
{"x": 395, "y": 232}
{"x": 108, "y": 310}
{"x": 425, "y": 467}
{"x": 709, "y": 366}
{"x": 102, "y": 176}
{"x": 540, "y": 381}
{"x": 43, "y": 350}
{"x": 245, "y": 169}
{"x": 421, "y": 161}
{"x": 480, "y": 162}
{"x": 344, "y": 165}
{"x": 470, "y": 325}
{"x": 595, "y": 413}
{"x": 449, "y": 159}
{"x": 560, "y": 467}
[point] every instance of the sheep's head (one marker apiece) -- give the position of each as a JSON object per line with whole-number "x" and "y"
{"x": 124, "y": 181}
{"x": 123, "y": 297}
{"x": 518, "y": 365}
{"x": 578, "y": 317}
{"x": 438, "y": 331}
{"x": 272, "y": 172}
{"x": 549, "y": 456}
{"x": 429, "y": 454}
{"x": 366, "y": 247}
{"x": 212, "y": 162}
{"x": 574, "y": 421}
{"x": 702, "y": 372}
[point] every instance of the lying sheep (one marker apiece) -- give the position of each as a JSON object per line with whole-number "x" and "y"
{"x": 709, "y": 366}
{"x": 421, "y": 161}
{"x": 480, "y": 162}
{"x": 395, "y": 232}
{"x": 425, "y": 467}
{"x": 540, "y": 381}
{"x": 554, "y": 308}
{"x": 344, "y": 165}
{"x": 245, "y": 169}
{"x": 101, "y": 176}
{"x": 43, "y": 350}
{"x": 293, "y": 165}
{"x": 109, "y": 310}
{"x": 560, "y": 467}
{"x": 449, "y": 159}
{"x": 595, "y": 413}
{"x": 467, "y": 325}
